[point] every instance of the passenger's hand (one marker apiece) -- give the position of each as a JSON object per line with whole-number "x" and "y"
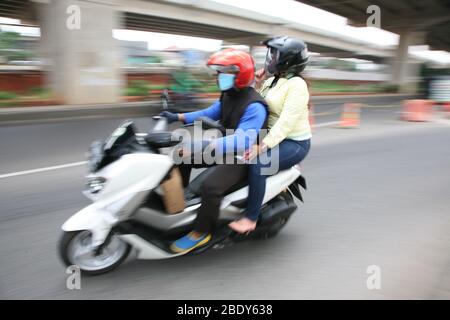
{"x": 254, "y": 151}
{"x": 250, "y": 153}
{"x": 171, "y": 117}
{"x": 259, "y": 77}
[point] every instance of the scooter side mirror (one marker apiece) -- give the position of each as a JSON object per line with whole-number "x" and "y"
{"x": 165, "y": 99}
{"x": 161, "y": 123}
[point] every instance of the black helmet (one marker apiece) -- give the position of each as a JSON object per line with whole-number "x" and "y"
{"x": 286, "y": 54}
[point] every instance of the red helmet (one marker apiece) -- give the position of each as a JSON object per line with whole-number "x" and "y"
{"x": 234, "y": 61}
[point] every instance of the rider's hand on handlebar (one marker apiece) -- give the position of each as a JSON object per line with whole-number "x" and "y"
{"x": 171, "y": 117}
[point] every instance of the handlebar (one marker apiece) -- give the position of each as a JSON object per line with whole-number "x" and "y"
{"x": 208, "y": 123}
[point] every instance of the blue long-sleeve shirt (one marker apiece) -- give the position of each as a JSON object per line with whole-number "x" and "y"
{"x": 246, "y": 132}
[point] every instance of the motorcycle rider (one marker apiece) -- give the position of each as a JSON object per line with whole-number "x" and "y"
{"x": 239, "y": 108}
{"x": 288, "y": 140}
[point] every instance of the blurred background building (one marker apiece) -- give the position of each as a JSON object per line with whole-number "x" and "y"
{"x": 85, "y": 52}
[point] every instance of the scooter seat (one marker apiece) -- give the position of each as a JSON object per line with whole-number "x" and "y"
{"x": 193, "y": 190}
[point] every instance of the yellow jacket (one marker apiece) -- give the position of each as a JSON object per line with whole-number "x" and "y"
{"x": 288, "y": 110}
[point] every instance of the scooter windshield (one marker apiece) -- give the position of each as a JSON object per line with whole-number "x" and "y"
{"x": 121, "y": 135}
{"x": 101, "y": 154}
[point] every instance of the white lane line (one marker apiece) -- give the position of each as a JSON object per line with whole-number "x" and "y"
{"x": 62, "y": 166}
{"x": 325, "y": 124}
{"x": 74, "y": 164}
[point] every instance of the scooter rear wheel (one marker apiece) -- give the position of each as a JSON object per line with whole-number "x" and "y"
{"x": 272, "y": 229}
{"x": 75, "y": 248}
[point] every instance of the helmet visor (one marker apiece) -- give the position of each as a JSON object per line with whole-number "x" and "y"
{"x": 231, "y": 69}
{"x": 271, "y": 59}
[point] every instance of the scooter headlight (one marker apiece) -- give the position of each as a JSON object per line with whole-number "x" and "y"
{"x": 96, "y": 184}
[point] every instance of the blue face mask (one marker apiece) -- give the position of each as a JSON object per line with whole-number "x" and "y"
{"x": 225, "y": 81}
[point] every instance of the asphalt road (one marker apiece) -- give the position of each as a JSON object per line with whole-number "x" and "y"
{"x": 378, "y": 195}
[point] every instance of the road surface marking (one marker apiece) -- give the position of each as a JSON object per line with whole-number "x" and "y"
{"x": 394, "y": 105}
{"x": 325, "y": 124}
{"x": 327, "y": 113}
{"x": 62, "y": 166}
{"x": 74, "y": 164}
{"x": 339, "y": 109}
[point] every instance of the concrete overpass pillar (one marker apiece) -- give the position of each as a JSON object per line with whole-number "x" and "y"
{"x": 404, "y": 71}
{"x": 83, "y": 58}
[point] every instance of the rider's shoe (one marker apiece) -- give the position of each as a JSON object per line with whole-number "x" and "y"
{"x": 189, "y": 242}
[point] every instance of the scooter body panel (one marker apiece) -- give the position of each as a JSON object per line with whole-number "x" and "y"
{"x": 92, "y": 219}
{"x": 132, "y": 172}
{"x": 128, "y": 181}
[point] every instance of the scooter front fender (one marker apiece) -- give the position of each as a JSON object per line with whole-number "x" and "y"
{"x": 92, "y": 219}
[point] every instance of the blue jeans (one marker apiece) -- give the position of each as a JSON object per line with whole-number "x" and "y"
{"x": 285, "y": 155}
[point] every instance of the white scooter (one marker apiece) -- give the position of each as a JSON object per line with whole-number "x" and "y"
{"x": 128, "y": 211}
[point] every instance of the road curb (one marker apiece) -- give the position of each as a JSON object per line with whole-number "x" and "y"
{"x": 18, "y": 115}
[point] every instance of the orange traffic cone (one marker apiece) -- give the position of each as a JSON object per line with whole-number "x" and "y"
{"x": 417, "y": 110}
{"x": 446, "y": 107}
{"x": 350, "y": 115}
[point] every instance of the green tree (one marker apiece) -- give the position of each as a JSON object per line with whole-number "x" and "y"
{"x": 10, "y": 48}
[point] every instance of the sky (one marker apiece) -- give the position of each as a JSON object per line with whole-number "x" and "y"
{"x": 160, "y": 41}
{"x": 27, "y": 31}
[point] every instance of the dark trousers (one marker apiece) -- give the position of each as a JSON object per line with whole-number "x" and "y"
{"x": 218, "y": 181}
{"x": 286, "y": 155}
{"x": 216, "y": 184}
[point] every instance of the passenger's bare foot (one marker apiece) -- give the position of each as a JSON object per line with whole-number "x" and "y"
{"x": 243, "y": 225}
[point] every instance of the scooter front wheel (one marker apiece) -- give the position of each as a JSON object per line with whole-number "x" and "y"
{"x": 75, "y": 248}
